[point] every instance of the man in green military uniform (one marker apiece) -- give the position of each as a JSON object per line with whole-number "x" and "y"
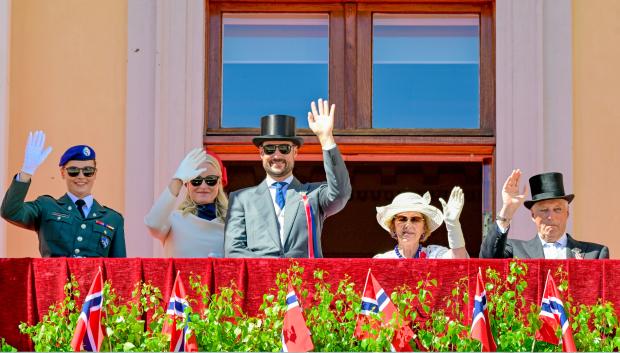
{"x": 74, "y": 225}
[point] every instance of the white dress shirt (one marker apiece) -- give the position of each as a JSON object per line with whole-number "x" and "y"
{"x": 555, "y": 251}
{"x": 88, "y": 199}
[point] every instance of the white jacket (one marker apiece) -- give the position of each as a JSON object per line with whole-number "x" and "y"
{"x": 184, "y": 236}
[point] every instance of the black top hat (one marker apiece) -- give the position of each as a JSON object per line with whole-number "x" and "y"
{"x": 547, "y": 186}
{"x": 277, "y": 127}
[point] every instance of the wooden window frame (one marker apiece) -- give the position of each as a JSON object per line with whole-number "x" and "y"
{"x": 350, "y": 63}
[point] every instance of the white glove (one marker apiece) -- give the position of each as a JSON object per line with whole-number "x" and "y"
{"x": 188, "y": 169}
{"x": 451, "y": 214}
{"x": 35, "y": 154}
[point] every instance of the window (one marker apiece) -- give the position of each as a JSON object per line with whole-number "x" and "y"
{"x": 272, "y": 63}
{"x": 425, "y": 71}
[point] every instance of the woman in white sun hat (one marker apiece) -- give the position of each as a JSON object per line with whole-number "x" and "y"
{"x": 410, "y": 219}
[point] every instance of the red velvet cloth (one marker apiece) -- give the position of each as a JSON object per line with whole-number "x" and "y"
{"x": 30, "y": 286}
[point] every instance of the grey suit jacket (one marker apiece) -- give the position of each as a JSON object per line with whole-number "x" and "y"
{"x": 497, "y": 245}
{"x": 252, "y": 226}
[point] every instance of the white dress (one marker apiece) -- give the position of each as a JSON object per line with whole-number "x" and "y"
{"x": 184, "y": 236}
{"x": 429, "y": 252}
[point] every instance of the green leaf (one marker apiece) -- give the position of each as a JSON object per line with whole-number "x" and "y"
{"x": 128, "y": 346}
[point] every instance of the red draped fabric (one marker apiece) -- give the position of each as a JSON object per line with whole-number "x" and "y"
{"x": 30, "y": 286}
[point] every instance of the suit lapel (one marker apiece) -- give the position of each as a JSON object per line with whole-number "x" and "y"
{"x": 96, "y": 210}
{"x": 267, "y": 212}
{"x": 293, "y": 201}
{"x": 570, "y": 245}
{"x": 66, "y": 203}
{"x": 535, "y": 249}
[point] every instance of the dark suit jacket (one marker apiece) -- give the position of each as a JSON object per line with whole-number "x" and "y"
{"x": 62, "y": 230}
{"x": 252, "y": 226}
{"x": 497, "y": 245}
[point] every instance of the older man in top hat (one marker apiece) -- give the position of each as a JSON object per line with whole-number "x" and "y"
{"x": 281, "y": 217}
{"x": 74, "y": 225}
{"x": 549, "y": 209}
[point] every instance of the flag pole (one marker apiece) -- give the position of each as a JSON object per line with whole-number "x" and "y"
{"x": 363, "y": 292}
{"x": 541, "y": 302}
{"x": 480, "y": 273}
{"x": 366, "y": 284}
{"x": 104, "y": 309}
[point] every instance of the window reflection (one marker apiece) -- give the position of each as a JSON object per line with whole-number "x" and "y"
{"x": 426, "y": 71}
{"x": 273, "y": 64}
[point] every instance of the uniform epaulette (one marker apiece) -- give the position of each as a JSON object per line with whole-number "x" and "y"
{"x": 113, "y": 210}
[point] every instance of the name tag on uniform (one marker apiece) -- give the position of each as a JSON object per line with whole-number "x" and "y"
{"x": 61, "y": 215}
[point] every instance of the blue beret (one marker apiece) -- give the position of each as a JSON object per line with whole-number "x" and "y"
{"x": 77, "y": 153}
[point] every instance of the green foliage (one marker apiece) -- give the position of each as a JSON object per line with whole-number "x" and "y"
{"x": 331, "y": 313}
{"x": 5, "y": 347}
{"x": 55, "y": 331}
{"x": 124, "y": 323}
{"x": 215, "y": 327}
{"x": 596, "y": 327}
{"x": 332, "y": 319}
{"x": 508, "y": 310}
{"x": 447, "y": 328}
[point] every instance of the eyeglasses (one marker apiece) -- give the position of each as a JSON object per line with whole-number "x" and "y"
{"x": 86, "y": 171}
{"x": 211, "y": 180}
{"x": 271, "y": 149}
{"x": 405, "y": 219}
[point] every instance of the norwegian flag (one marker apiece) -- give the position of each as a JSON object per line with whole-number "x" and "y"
{"x": 295, "y": 333}
{"x": 88, "y": 333}
{"x": 375, "y": 300}
{"x": 180, "y": 340}
{"x": 480, "y": 324}
{"x": 553, "y": 316}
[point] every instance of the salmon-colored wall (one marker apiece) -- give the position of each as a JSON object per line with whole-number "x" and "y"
{"x": 596, "y": 34}
{"x": 68, "y": 78}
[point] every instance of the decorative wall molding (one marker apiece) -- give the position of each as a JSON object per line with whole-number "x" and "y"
{"x": 139, "y": 125}
{"x": 534, "y": 94}
{"x": 165, "y": 103}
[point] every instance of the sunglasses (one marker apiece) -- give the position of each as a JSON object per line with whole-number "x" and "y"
{"x": 405, "y": 219}
{"x": 211, "y": 180}
{"x": 271, "y": 149}
{"x": 86, "y": 171}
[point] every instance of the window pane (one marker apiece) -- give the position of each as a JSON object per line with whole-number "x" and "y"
{"x": 273, "y": 64}
{"x": 426, "y": 71}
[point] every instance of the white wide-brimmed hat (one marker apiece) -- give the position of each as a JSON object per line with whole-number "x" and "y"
{"x": 410, "y": 202}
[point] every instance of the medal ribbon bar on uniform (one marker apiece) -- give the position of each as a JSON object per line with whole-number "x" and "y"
{"x": 105, "y": 225}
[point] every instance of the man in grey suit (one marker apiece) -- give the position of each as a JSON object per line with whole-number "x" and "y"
{"x": 549, "y": 209}
{"x": 271, "y": 219}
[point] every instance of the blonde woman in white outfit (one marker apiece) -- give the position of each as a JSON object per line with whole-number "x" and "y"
{"x": 196, "y": 228}
{"x": 410, "y": 219}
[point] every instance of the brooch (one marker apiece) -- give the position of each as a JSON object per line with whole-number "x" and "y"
{"x": 578, "y": 253}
